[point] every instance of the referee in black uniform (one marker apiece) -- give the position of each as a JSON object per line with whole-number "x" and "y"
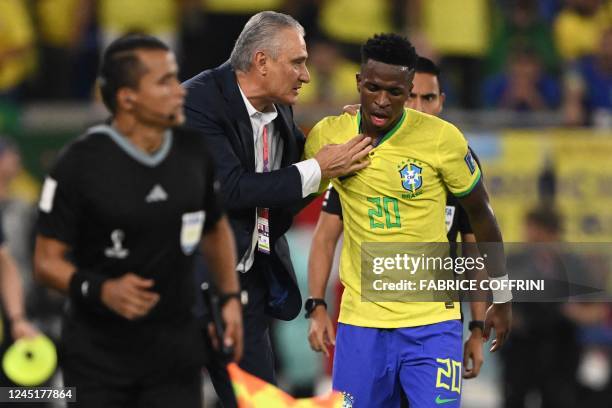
{"x": 121, "y": 214}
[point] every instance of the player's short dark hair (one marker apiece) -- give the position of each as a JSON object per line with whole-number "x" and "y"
{"x": 427, "y": 66}
{"x": 390, "y": 49}
{"x": 546, "y": 217}
{"x": 120, "y": 66}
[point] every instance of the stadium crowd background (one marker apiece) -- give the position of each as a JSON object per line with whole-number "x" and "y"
{"x": 528, "y": 81}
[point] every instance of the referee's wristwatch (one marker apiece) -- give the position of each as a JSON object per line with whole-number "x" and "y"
{"x": 311, "y": 303}
{"x": 476, "y": 324}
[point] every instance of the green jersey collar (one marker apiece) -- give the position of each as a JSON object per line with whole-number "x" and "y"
{"x": 387, "y": 135}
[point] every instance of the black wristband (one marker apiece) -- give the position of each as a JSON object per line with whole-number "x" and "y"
{"x": 225, "y": 297}
{"x": 476, "y": 324}
{"x": 85, "y": 288}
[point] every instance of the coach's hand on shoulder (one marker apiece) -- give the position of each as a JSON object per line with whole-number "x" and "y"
{"x": 232, "y": 317}
{"x": 351, "y": 109}
{"x": 129, "y": 296}
{"x": 498, "y": 317}
{"x": 338, "y": 160}
{"x": 321, "y": 334}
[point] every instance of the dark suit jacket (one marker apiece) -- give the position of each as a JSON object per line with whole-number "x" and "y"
{"x": 215, "y": 107}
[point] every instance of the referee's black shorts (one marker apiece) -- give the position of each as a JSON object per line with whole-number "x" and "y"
{"x": 159, "y": 367}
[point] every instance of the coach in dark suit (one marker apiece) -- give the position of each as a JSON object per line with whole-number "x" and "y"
{"x": 243, "y": 109}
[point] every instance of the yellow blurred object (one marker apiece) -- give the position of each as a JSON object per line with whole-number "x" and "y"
{"x": 342, "y": 85}
{"x": 240, "y": 6}
{"x": 30, "y": 361}
{"x": 252, "y": 392}
{"x": 582, "y": 165}
{"x": 354, "y": 21}
{"x": 576, "y": 35}
{"x": 457, "y": 28}
{"x": 55, "y": 19}
{"x": 16, "y": 43}
{"x": 24, "y": 187}
{"x": 143, "y": 16}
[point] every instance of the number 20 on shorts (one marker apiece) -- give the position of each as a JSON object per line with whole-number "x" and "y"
{"x": 449, "y": 375}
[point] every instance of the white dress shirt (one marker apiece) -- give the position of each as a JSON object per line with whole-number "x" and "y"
{"x": 310, "y": 172}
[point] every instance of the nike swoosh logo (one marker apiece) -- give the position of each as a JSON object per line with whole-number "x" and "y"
{"x": 440, "y": 400}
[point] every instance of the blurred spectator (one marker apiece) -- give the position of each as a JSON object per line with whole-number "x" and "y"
{"x": 459, "y": 31}
{"x": 588, "y": 87}
{"x": 350, "y": 23}
{"x": 17, "y": 41}
{"x": 18, "y": 193}
{"x": 595, "y": 334}
{"x": 521, "y": 25}
{"x": 541, "y": 356}
{"x": 524, "y": 87}
{"x": 332, "y": 77}
{"x": 13, "y": 321}
{"x": 158, "y": 18}
{"x": 210, "y": 28}
{"x": 61, "y": 26}
{"x": 579, "y": 25}
{"x": 11, "y": 281}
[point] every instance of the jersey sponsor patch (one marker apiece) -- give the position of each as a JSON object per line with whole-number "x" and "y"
{"x": 47, "y": 195}
{"x": 469, "y": 160}
{"x": 191, "y": 231}
{"x": 449, "y": 214}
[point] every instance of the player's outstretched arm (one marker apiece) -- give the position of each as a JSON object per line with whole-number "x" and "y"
{"x": 484, "y": 225}
{"x": 11, "y": 293}
{"x": 220, "y": 251}
{"x": 321, "y": 331}
{"x": 472, "y": 350}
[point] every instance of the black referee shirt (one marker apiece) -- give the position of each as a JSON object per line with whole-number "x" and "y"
{"x": 121, "y": 210}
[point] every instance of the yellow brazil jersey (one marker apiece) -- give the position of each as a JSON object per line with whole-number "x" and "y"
{"x": 400, "y": 197}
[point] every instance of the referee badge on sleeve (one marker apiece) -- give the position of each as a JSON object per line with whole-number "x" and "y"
{"x": 47, "y": 195}
{"x": 191, "y": 231}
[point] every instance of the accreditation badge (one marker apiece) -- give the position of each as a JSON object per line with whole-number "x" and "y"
{"x": 191, "y": 231}
{"x": 263, "y": 230}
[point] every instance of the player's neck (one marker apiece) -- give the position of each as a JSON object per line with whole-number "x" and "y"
{"x": 146, "y": 138}
{"x": 372, "y": 133}
{"x": 376, "y": 134}
{"x": 254, "y": 91}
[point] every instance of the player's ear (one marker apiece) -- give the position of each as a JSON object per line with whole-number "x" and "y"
{"x": 358, "y": 79}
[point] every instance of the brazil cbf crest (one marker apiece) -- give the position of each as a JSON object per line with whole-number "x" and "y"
{"x": 411, "y": 176}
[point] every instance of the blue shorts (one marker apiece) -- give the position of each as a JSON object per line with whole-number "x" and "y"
{"x": 372, "y": 366}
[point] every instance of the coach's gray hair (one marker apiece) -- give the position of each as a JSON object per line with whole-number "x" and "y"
{"x": 260, "y": 34}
